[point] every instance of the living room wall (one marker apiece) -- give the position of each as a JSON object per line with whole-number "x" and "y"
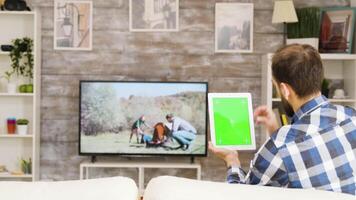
{"x": 187, "y": 55}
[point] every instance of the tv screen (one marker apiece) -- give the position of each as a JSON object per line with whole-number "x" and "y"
{"x": 143, "y": 118}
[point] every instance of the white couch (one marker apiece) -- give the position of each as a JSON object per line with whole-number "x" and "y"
{"x": 118, "y": 188}
{"x": 161, "y": 188}
{"x": 173, "y": 188}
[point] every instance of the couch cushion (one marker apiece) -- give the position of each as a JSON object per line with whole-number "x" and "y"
{"x": 117, "y": 188}
{"x": 173, "y": 188}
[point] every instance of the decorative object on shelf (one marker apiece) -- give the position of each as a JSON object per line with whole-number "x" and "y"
{"x": 3, "y": 169}
{"x": 26, "y": 166}
{"x": 339, "y": 94}
{"x": 26, "y": 88}
{"x": 73, "y": 25}
{"x": 234, "y": 27}
{"x": 158, "y": 15}
{"x": 22, "y": 61}
{"x": 11, "y": 125}
{"x": 17, "y": 173}
{"x": 307, "y": 30}
{"x": 22, "y": 88}
{"x": 22, "y": 126}
{"x": 325, "y": 88}
{"x": 15, "y": 5}
{"x": 29, "y": 88}
{"x": 284, "y": 12}
{"x": 337, "y": 30}
{"x": 6, "y": 47}
{"x": 11, "y": 87}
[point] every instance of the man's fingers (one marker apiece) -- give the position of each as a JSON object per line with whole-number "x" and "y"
{"x": 261, "y": 120}
{"x": 262, "y": 110}
{"x": 211, "y": 147}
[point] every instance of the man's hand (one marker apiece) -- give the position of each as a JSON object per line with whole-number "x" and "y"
{"x": 265, "y": 116}
{"x": 230, "y": 157}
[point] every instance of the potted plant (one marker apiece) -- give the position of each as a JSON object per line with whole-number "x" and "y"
{"x": 325, "y": 88}
{"x": 307, "y": 29}
{"x": 22, "y": 126}
{"x": 26, "y": 166}
{"x": 22, "y": 61}
{"x": 11, "y": 87}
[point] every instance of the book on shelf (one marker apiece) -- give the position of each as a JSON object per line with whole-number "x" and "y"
{"x": 278, "y": 116}
{"x": 285, "y": 119}
{"x": 282, "y": 118}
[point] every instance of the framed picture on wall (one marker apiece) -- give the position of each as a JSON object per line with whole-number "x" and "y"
{"x": 73, "y": 25}
{"x": 234, "y": 27}
{"x": 337, "y": 30}
{"x": 154, "y": 15}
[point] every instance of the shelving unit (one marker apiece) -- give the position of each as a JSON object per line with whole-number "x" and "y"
{"x": 336, "y": 66}
{"x": 20, "y": 105}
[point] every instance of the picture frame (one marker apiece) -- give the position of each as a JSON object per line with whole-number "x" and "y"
{"x": 73, "y": 25}
{"x": 154, "y": 15}
{"x": 234, "y": 27}
{"x": 337, "y": 30}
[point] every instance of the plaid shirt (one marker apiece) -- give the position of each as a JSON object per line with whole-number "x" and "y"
{"x": 317, "y": 150}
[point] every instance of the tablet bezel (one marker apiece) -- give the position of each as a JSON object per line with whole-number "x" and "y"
{"x": 211, "y": 96}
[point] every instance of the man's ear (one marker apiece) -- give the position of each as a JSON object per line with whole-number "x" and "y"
{"x": 285, "y": 90}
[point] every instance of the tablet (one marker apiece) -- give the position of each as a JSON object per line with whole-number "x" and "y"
{"x": 231, "y": 121}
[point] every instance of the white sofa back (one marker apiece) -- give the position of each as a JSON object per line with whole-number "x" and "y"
{"x": 117, "y": 188}
{"x": 173, "y": 188}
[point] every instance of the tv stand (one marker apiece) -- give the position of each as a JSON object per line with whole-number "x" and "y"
{"x": 140, "y": 166}
{"x": 93, "y": 159}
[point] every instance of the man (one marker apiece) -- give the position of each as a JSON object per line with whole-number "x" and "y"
{"x": 137, "y": 130}
{"x": 318, "y": 149}
{"x": 182, "y": 131}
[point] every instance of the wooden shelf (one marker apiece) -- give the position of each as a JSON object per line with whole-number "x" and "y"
{"x": 16, "y": 95}
{"x": 338, "y": 56}
{"x": 342, "y": 100}
{"x": 4, "y": 53}
{"x": 5, "y": 175}
{"x": 329, "y": 56}
{"x": 331, "y": 100}
{"x": 15, "y": 136}
{"x": 17, "y": 12}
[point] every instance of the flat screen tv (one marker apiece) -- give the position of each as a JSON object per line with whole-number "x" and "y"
{"x": 143, "y": 118}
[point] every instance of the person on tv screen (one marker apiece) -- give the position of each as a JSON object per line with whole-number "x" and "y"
{"x": 137, "y": 128}
{"x": 182, "y": 131}
{"x": 318, "y": 149}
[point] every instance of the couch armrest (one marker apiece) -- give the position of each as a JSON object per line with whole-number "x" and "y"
{"x": 173, "y": 188}
{"x": 117, "y": 188}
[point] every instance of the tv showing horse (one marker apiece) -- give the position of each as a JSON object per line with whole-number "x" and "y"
{"x": 143, "y": 118}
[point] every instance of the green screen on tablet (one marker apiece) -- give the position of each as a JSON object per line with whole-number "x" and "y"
{"x": 231, "y": 121}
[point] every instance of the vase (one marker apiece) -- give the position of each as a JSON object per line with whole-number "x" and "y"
{"x": 11, "y": 88}
{"x": 11, "y": 125}
{"x": 22, "y": 129}
{"x": 22, "y": 88}
{"x": 29, "y": 88}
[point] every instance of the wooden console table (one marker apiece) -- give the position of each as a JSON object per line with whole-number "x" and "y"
{"x": 141, "y": 166}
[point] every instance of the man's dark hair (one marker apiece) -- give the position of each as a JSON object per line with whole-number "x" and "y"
{"x": 169, "y": 115}
{"x": 299, "y": 66}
